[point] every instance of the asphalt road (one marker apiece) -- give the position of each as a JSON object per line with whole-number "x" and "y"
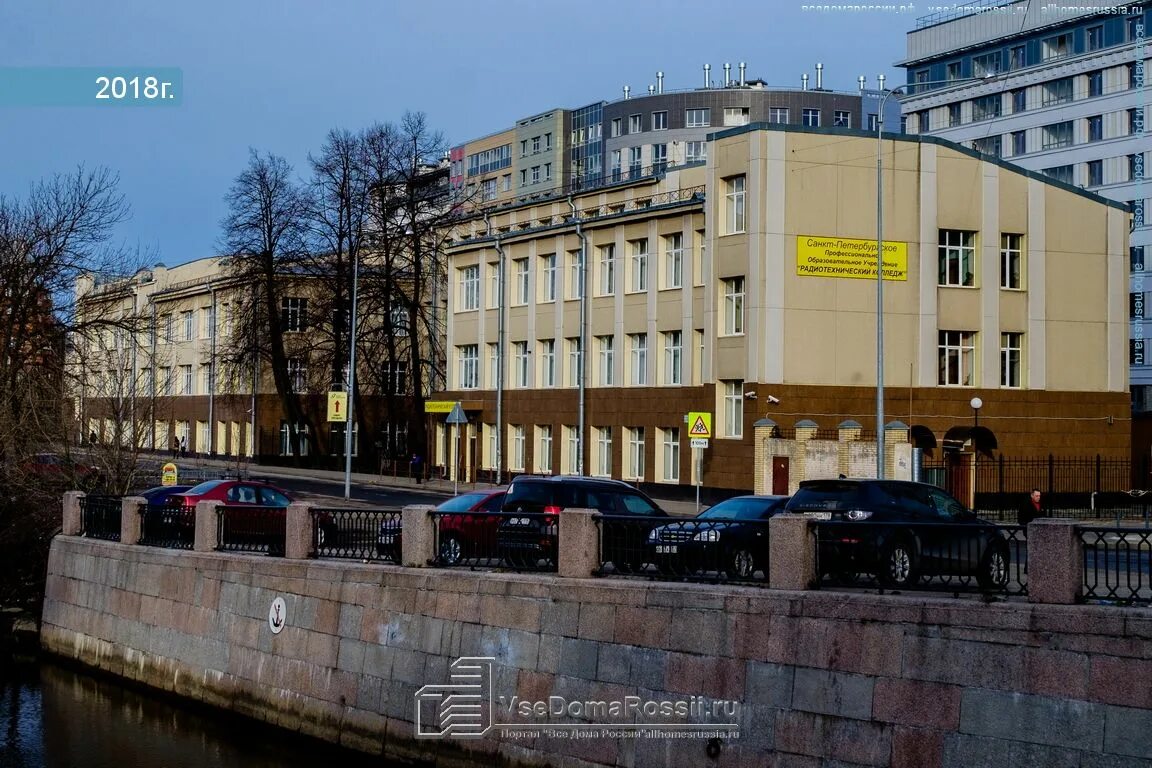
{"x": 331, "y": 492}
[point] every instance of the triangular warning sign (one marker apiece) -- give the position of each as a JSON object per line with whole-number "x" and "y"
{"x": 699, "y": 428}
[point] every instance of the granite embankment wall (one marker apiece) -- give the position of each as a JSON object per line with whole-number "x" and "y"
{"x": 822, "y": 678}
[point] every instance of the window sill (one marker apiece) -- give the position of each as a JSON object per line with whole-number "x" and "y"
{"x": 738, "y": 232}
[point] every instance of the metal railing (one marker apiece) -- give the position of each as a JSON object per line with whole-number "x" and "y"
{"x": 100, "y": 517}
{"x": 248, "y": 528}
{"x": 1116, "y": 564}
{"x": 713, "y": 550}
{"x": 528, "y": 541}
{"x": 167, "y": 525}
{"x": 356, "y": 534}
{"x": 468, "y": 538}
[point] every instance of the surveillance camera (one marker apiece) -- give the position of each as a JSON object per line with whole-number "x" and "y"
{"x": 750, "y": 395}
{"x": 773, "y": 399}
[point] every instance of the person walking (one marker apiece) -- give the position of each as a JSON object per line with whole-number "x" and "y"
{"x": 184, "y": 447}
{"x": 1031, "y": 509}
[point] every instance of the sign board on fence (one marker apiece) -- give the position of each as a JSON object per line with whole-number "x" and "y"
{"x": 699, "y": 424}
{"x": 699, "y": 442}
{"x": 337, "y": 406}
{"x": 438, "y": 406}
{"x": 168, "y": 474}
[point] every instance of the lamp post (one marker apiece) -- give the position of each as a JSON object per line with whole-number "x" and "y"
{"x": 976, "y": 404}
{"x": 880, "y": 256}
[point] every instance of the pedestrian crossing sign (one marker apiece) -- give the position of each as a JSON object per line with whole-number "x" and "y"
{"x": 699, "y": 424}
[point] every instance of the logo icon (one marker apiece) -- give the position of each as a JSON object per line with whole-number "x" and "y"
{"x": 461, "y": 708}
{"x": 277, "y": 614}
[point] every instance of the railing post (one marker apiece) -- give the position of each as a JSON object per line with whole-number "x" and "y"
{"x": 579, "y": 537}
{"x": 417, "y": 543}
{"x": 131, "y": 520}
{"x": 1055, "y": 562}
{"x": 207, "y": 526}
{"x": 1051, "y": 474}
{"x": 791, "y": 552}
{"x": 298, "y": 531}
{"x": 73, "y": 522}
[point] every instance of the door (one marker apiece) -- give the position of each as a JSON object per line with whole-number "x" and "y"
{"x": 779, "y": 475}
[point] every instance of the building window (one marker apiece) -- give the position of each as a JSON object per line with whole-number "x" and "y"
{"x": 670, "y": 454}
{"x": 811, "y": 118}
{"x": 189, "y": 324}
{"x": 954, "y": 114}
{"x": 733, "y": 306}
{"x": 1095, "y": 37}
{"x": 1017, "y": 57}
{"x": 673, "y": 260}
{"x": 535, "y": 174}
{"x": 207, "y": 323}
{"x": 659, "y": 121}
{"x": 516, "y": 460}
{"x": 733, "y": 408}
{"x": 606, "y": 267}
{"x": 506, "y": 182}
{"x": 469, "y": 366}
{"x": 297, "y": 374}
{"x": 535, "y": 145}
{"x": 1134, "y": 23}
{"x": 635, "y": 453}
{"x": 986, "y": 107}
{"x": 635, "y": 123}
{"x": 1136, "y": 257}
{"x": 986, "y": 64}
{"x": 607, "y": 345}
{"x": 470, "y": 287}
{"x": 1057, "y": 135}
{"x": 1136, "y": 167}
{"x": 396, "y": 377}
{"x": 639, "y": 359}
{"x": 548, "y": 363}
{"x": 617, "y": 124}
{"x": 957, "y": 258}
{"x": 673, "y": 357}
{"x": 520, "y": 364}
{"x": 842, "y": 119}
{"x": 186, "y": 387}
{"x": 697, "y": 118}
{"x": 696, "y": 152}
{"x": 1011, "y": 260}
{"x": 1133, "y": 78}
{"x": 575, "y": 362}
{"x": 1095, "y": 84}
{"x": 520, "y": 280}
{"x": 735, "y": 116}
{"x": 548, "y": 277}
{"x": 778, "y": 115}
{"x": 1019, "y": 143}
{"x": 1019, "y": 100}
{"x": 659, "y": 157}
{"x": 493, "y": 365}
{"x": 1095, "y": 173}
{"x": 1064, "y": 173}
{"x": 1011, "y": 347}
{"x": 494, "y": 297}
{"x": 575, "y": 284}
{"x": 1056, "y": 47}
{"x": 488, "y": 189}
{"x": 734, "y": 199}
{"x": 957, "y": 350}
{"x": 205, "y": 379}
{"x": 639, "y": 262}
{"x": 604, "y": 451}
{"x": 338, "y": 441}
{"x": 1135, "y": 121}
{"x": 698, "y": 340}
{"x": 544, "y": 448}
{"x": 635, "y": 162}
{"x": 167, "y": 385}
{"x": 1057, "y": 92}
{"x": 1096, "y": 128}
{"x": 988, "y": 145}
{"x": 286, "y": 432}
{"x": 923, "y": 122}
{"x": 952, "y": 71}
{"x": 572, "y": 450}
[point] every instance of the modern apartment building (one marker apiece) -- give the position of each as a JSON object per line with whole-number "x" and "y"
{"x": 1060, "y": 88}
{"x": 744, "y": 286}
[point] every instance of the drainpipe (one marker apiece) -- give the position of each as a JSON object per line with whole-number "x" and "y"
{"x": 212, "y": 378}
{"x": 500, "y": 334}
{"x": 582, "y": 396}
{"x": 152, "y": 380}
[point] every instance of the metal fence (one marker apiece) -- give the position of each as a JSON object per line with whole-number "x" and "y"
{"x": 528, "y": 541}
{"x": 356, "y": 534}
{"x": 468, "y": 539}
{"x": 707, "y": 550}
{"x": 248, "y": 528}
{"x": 100, "y": 517}
{"x": 1116, "y": 564}
{"x": 1067, "y": 481}
{"x": 167, "y": 525}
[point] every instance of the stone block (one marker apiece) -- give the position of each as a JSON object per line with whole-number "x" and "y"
{"x": 1120, "y": 681}
{"x": 131, "y": 518}
{"x": 521, "y": 650}
{"x": 700, "y": 631}
{"x": 1057, "y": 673}
{"x": 832, "y": 693}
{"x": 348, "y": 624}
{"x": 647, "y": 669}
{"x": 298, "y": 531}
{"x": 858, "y": 741}
{"x": 510, "y": 612}
{"x": 1034, "y": 719}
{"x": 597, "y": 621}
{"x": 73, "y": 522}
{"x": 560, "y": 617}
{"x": 769, "y": 685}
{"x": 418, "y": 545}
{"x": 1094, "y": 760}
{"x": 1055, "y": 562}
{"x": 917, "y": 703}
{"x": 791, "y": 553}
{"x": 378, "y": 661}
{"x": 1128, "y": 732}
{"x": 982, "y": 665}
{"x": 580, "y": 555}
{"x": 869, "y": 649}
{"x": 917, "y": 747}
{"x": 350, "y": 656}
{"x": 966, "y": 751}
{"x": 613, "y": 662}
{"x": 207, "y": 525}
{"x": 647, "y": 627}
{"x": 578, "y": 658}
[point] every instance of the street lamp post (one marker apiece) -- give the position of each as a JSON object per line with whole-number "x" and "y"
{"x": 976, "y": 404}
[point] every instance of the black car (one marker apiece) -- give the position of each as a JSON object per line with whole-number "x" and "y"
{"x": 900, "y": 531}
{"x": 528, "y": 534}
{"x": 731, "y": 536}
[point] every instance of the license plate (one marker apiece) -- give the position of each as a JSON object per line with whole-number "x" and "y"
{"x": 666, "y": 549}
{"x": 818, "y": 515}
{"x": 387, "y": 538}
{"x": 520, "y": 521}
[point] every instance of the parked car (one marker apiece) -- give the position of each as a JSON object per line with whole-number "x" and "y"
{"x": 56, "y": 470}
{"x": 529, "y": 532}
{"x": 159, "y": 495}
{"x": 467, "y": 535}
{"x": 900, "y": 531}
{"x": 257, "y": 495}
{"x": 162, "y": 518}
{"x": 731, "y": 536}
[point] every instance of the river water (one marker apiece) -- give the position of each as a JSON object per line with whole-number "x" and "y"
{"x": 57, "y": 717}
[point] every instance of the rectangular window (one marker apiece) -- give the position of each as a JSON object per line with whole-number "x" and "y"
{"x": 635, "y": 453}
{"x": 842, "y": 119}
{"x": 1136, "y": 166}
{"x": 735, "y": 116}
{"x": 1057, "y": 92}
{"x": 696, "y": 151}
{"x": 986, "y": 64}
{"x": 1135, "y": 121}
{"x": 169, "y": 324}
{"x": 1094, "y": 37}
{"x": 1134, "y": 22}
{"x": 535, "y": 174}
{"x": 639, "y": 264}
{"x": 547, "y": 171}
{"x": 986, "y": 107}
{"x": 989, "y": 145}
{"x": 520, "y": 364}
{"x": 635, "y": 123}
{"x": 186, "y": 387}
{"x": 635, "y": 162}
{"x": 338, "y": 442}
{"x": 189, "y": 324}
{"x": 1136, "y": 257}
{"x": 1019, "y": 143}
{"x": 470, "y": 287}
{"x": 924, "y": 121}
{"x": 954, "y": 114}
{"x": 604, "y": 451}
{"x": 488, "y": 189}
{"x": 494, "y": 298}
{"x": 697, "y": 118}
{"x": 698, "y": 356}
{"x": 572, "y": 450}
{"x": 606, "y": 268}
{"x": 469, "y": 366}
{"x": 952, "y": 71}
{"x": 1056, "y": 47}
{"x": 811, "y": 118}
{"x": 778, "y": 115}
{"x": 1095, "y": 83}
{"x": 957, "y": 350}
{"x": 167, "y": 385}
{"x": 575, "y": 362}
{"x": 207, "y": 326}
{"x": 1064, "y": 173}
{"x": 297, "y": 374}
{"x": 535, "y": 144}
{"x": 516, "y": 460}
{"x": 1056, "y": 135}
{"x": 520, "y": 281}
{"x": 1095, "y": 173}
{"x": 617, "y": 125}
{"x": 1011, "y": 260}
{"x": 670, "y": 454}
{"x": 1011, "y": 348}
{"x": 205, "y": 378}
{"x": 659, "y": 157}
{"x": 734, "y": 199}
{"x": 733, "y": 408}
{"x": 396, "y": 377}
{"x": 548, "y": 363}
{"x": 673, "y": 357}
{"x": 548, "y": 277}
{"x": 574, "y": 284}
{"x": 1019, "y": 100}
{"x": 544, "y": 448}
{"x": 506, "y": 182}
{"x": 957, "y": 258}
{"x": 673, "y": 260}
{"x": 287, "y": 431}
{"x": 638, "y": 343}
{"x": 607, "y": 346}
{"x": 1096, "y": 128}
{"x": 1017, "y": 57}
{"x": 659, "y": 121}
{"x": 493, "y": 365}
{"x": 733, "y": 306}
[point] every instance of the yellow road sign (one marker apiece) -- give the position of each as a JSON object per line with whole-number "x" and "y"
{"x": 438, "y": 406}
{"x": 337, "y": 406}
{"x": 168, "y": 474}
{"x": 699, "y": 424}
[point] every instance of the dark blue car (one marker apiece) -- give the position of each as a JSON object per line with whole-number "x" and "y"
{"x": 730, "y": 537}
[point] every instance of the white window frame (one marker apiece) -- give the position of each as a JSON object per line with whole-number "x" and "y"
{"x": 470, "y": 288}
{"x": 189, "y": 317}
{"x": 1011, "y": 359}
{"x": 520, "y": 365}
{"x": 696, "y": 151}
{"x": 700, "y": 117}
{"x": 187, "y": 384}
{"x": 734, "y": 306}
{"x": 606, "y": 269}
{"x": 638, "y": 358}
{"x": 957, "y": 358}
{"x": 636, "y": 453}
{"x": 572, "y": 450}
{"x": 673, "y": 357}
{"x": 548, "y": 363}
{"x": 957, "y": 258}
{"x": 543, "y": 457}
{"x": 548, "y": 278}
{"x": 516, "y": 460}
{"x": 603, "y": 451}
{"x": 607, "y": 350}
{"x": 660, "y": 120}
{"x": 674, "y": 260}
{"x": 520, "y": 271}
{"x": 1011, "y": 261}
{"x": 735, "y": 191}
{"x": 468, "y": 355}
{"x": 572, "y": 289}
{"x": 733, "y": 408}
{"x": 638, "y": 260}
{"x": 670, "y": 454}
{"x": 574, "y": 361}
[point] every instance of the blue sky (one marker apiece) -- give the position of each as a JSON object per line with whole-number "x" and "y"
{"x": 278, "y": 75}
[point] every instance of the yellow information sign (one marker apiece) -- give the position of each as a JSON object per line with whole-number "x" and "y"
{"x": 168, "y": 474}
{"x": 846, "y": 257}
{"x": 699, "y": 424}
{"x": 337, "y": 406}
{"x": 438, "y": 406}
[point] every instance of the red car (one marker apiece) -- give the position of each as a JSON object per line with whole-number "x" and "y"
{"x": 470, "y": 534}
{"x": 257, "y": 494}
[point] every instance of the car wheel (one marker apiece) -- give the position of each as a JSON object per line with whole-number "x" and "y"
{"x": 993, "y": 573}
{"x": 741, "y": 564}
{"x": 898, "y": 565}
{"x": 326, "y": 535}
{"x": 451, "y": 549}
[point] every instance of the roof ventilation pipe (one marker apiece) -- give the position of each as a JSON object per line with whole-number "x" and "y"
{"x": 742, "y": 67}
{"x": 727, "y": 74}
{"x": 627, "y": 91}
{"x": 659, "y": 82}
{"x": 804, "y": 81}
{"x": 707, "y": 75}
{"x": 880, "y": 79}
{"x": 819, "y": 76}
{"x": 651, "y": 89}
{"x": 861, "y": 80}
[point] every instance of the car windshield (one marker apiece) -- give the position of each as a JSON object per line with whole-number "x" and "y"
{"x": 740, "y": 509}
{"x": 826, "y": 496}
{"x": 203, "y": 488}
{"x": 461, "y": 503}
